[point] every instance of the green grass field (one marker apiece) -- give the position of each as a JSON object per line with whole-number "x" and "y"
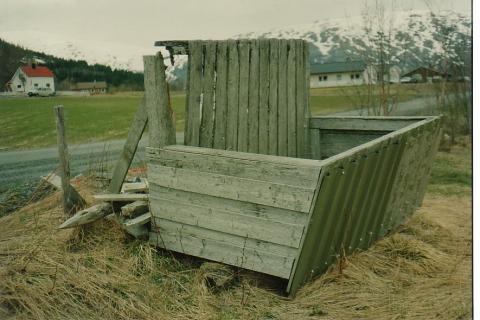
{"x": 29, "y": 122}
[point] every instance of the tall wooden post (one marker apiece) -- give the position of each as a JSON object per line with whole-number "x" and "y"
{"x": 161, "y": 128}
{"x": 71, "y": 199}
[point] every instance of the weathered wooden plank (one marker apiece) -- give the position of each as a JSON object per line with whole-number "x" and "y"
{"x": 253, "y": 96}
{"x": 291, "y": 100}
{"x": 160, "y": 115}
{"x": 315, "y": 144}
{"x": 260, "y": 192}
{"x": 336, "y": 123}
{"x": 88, "y": 215}
{"x": 264, "y": 91}
{"x": 54, "y": 180}
{"x": 227, "y": 221}
{"x": 131, "y": 187}
{"x": 300, "y": 97}
{"x": 232, "y": 96}
{"x": 332, "y": 143}
{"x": 282, "y": 109}
{"x": 273, "y": 98}
{"x": 138, "y": 226}
{"x": 206, "y": 127}
{"x": 306, "y": 98}
{"x": 134, "y": 209}
{"x": 244, "y": 208}
{"x": 194, "y": 93}
{"x": 224, "y": 252}
{"x": 125, "y": 197}
{"x": 249, "y": 169}
{"x": 72, "y": 201}
{"x": 162, "y": 225}
{"x": 220, "y": 132}
{"x": 244, "y": 54}
{"x": 242, "y": 155}
{"x": 128, "y": 153}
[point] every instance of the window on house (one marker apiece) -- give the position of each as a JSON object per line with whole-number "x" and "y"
{"x": 352, "y": 76}
{"x": 19, "y": 86}
{"x": 322, "y": 78}
{"x": 36, "y": 84}
{"x": 48, "y": 85}
{"x": 339, "y": 77}
{"x": 357, "y": 76}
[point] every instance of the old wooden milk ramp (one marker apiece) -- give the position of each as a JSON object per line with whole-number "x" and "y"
{"x": 259, "y": 183}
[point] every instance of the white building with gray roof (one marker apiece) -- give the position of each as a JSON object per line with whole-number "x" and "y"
{"x": 336, "y": 74}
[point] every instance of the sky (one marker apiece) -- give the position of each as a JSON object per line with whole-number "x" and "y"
{"x": 141, "y": 22}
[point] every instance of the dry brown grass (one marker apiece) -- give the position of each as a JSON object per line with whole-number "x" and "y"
{"x": 421, "y": 272}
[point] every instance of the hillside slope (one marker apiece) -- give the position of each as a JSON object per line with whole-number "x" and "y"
{"x": 67, "y": 71}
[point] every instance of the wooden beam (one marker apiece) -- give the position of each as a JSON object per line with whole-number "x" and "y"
{"x": 161, "y": 127}
{"x": 126, "y": 197}
{"x": 134, "y": 209}
{"x": 72, "y": 201}
{"x": 138, "y": 227}
{"x": 88, "y": 215}
{"x": 132, "y": 187}
{"x": 134, "y": 135}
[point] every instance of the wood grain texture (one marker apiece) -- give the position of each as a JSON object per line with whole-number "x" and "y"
{"x": 263, "y": 106}
{"x": 194, "y": 94}
{"x": 282, "y": 108}
{"x": 243, "y": 125}
{"x": 220, "y": 133}
{"x": 160, "y": 115}
{"x": 299, "y": 99}
{"x": 232, "y": 96}
{"x": 253, "y": 96}
{"x": 273, "y": 98}
{"x": 291, "y": 100}
{"x": 208, "y": 103}
{"x": 72, "y": 201}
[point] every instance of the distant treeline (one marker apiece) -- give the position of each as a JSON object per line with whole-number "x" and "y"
{"x": 67, "y": 71}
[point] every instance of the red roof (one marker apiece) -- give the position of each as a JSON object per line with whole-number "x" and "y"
{"x": 38, "y": 71}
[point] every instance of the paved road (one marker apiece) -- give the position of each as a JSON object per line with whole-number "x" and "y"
{"x": 20, "y": 166}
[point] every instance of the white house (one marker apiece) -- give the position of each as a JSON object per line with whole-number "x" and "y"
{"x": 346, "y": 73}
{"x": 32, "y": 80}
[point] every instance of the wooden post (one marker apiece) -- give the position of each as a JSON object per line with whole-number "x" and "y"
{"x": 134, "y": 135}
{"x": 161, "y": 128}
{"x": 71, "y": 199}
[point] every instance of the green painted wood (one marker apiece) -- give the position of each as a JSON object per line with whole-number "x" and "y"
{"x": 220, "y": 133}
{"x": 224, "y": 252}
{"x": 264, "y": 91}
{"x": 253, "y": 96}
{"x": 282, "y": 107}
{"x": 232, "y": 96}
{"x": 228, "y": 222}
{"x": 273, "y": 98}
{"x": 291, "y": 100}
{"x": 163, "y": 225}
{"x": 194, "y": 94}
{"x": 208, "y": 83}
{"x": 243, "y": 125}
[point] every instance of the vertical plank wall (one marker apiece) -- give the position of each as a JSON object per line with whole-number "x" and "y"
{"x": 248, "y": 95}
{"x": 364, "y": 193}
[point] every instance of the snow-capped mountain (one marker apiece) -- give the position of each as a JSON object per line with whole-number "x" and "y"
{"x": 408, "y": 37}
{"x": 413, "y": 38}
